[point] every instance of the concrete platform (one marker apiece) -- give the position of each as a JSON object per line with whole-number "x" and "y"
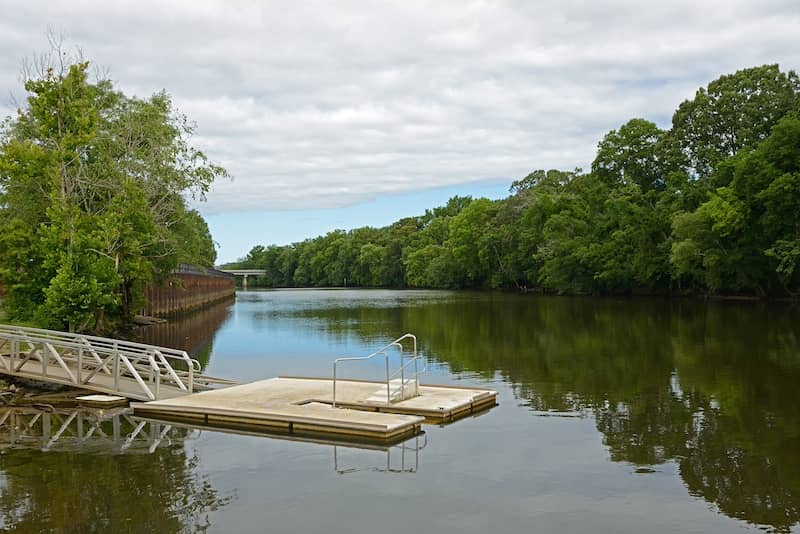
{"x": 304, "y": 406}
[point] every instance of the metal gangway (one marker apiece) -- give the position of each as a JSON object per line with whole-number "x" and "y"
{"x": 125, "y": 368}
{"x": 401, "y": 384}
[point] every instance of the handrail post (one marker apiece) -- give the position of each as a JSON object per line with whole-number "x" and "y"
{"x": 402, "y": 375}
{"x": 80, "y": 366}
{"x": 334, "y": 384}
{"x": 158, "y": 376}
{"x": 190, "y": 386}
{"x": 416, "y": 365}
{"x": 388, "y": 394}
{"x": 116, "y": 367}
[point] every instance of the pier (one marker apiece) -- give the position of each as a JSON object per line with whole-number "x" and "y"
{"x": 167, "y": 384}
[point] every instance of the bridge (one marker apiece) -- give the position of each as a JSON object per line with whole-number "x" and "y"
{"x": 111, "y": 366}
{"x": 244, "y": 273}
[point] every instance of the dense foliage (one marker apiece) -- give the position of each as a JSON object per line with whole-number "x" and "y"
{"x": 712, "y": 204}
{"x": 93, "y": 187}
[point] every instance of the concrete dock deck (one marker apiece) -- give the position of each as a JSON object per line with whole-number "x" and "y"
{"x": 304, "y": 406}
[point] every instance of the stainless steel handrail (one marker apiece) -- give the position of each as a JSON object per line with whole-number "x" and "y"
{"x": 397, "y": 343}
{"x": 378, "y": 353}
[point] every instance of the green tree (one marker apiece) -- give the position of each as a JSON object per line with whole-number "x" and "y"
{"x": 630, "y": 155}
{"x": 746, "y": 235}
{"x": 93, "y": 188}
{"x": 735, "y": 111}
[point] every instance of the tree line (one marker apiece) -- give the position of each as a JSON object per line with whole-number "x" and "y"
{"x": 93, "y": 198}
{"x": 711, "y": 204}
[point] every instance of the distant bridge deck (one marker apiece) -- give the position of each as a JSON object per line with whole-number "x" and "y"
{"x": 244, "y": 273}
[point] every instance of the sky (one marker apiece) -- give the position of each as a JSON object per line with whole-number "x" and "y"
{"x": 339, "y": 114}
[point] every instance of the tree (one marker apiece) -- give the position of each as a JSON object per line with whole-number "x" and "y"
{"x": 93, "y": 188}
{"x": 747, "y": 234}
{"x": 711, "y": 204}
{"x": 735, "y": 111}
{"x": 630, "y": 155}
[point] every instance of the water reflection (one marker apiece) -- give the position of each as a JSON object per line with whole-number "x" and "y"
{"x": 711, "y": 387}
{"x": 84, "y": 430}
{"x": 402, "y": 458}
{"x": 349, "y": 455}
{"x": 81, "y": 470}
{"x": 193, "y": 332}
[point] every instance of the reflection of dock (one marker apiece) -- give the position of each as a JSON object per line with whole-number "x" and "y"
{"x": 348, "y": 456}
{"x": 401, "y": 458}
{"x": 117, "y": 431}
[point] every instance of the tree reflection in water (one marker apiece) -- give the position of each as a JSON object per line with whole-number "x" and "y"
{"x": 710, "y": 386}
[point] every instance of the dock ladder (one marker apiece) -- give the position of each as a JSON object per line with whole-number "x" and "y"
{"x": 401, "y": 384}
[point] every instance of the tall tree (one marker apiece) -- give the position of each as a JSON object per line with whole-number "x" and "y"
{"x": 733, "y": 112}
{"x": 93, "y": 188}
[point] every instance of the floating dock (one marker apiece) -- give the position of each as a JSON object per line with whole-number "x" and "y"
{"x": 304, "y": 406}
{"x": 388, "y": 410}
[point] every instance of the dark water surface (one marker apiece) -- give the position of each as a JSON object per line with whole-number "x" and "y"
{"x": 615, "y": 416}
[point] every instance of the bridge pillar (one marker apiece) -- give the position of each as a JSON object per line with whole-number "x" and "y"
{"x": 244, "y": 282}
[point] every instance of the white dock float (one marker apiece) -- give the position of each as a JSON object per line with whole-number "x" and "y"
{"x": 305, "y": 406}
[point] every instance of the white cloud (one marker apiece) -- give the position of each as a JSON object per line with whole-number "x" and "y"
{"x": 323, "y": 104}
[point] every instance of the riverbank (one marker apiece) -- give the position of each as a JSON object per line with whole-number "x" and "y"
{"x": 623, "y": 293}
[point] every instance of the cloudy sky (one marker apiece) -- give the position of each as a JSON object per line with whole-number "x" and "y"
{"x": 344, "y": 113}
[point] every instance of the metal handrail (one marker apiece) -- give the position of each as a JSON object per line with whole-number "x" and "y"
{"x": 130, "y": 345}
{"x": 139, "y": 351}
{"x": 382, "y": 351}
{"x": 78, "y": 353}
{"x": 347, "y": 359}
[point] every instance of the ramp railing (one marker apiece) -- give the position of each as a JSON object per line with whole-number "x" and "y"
{"x": 406, "y": 360}
{"x": 123, "y": 367}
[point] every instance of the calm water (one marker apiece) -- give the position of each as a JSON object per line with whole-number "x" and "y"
{"x": 615, "y": 416}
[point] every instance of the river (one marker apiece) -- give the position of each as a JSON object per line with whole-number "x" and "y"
{"x": 614, "y": 416}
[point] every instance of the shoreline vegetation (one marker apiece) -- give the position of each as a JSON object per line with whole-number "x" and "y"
{"x": 708, "y": 207}
{"x": 94, "y": 198}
